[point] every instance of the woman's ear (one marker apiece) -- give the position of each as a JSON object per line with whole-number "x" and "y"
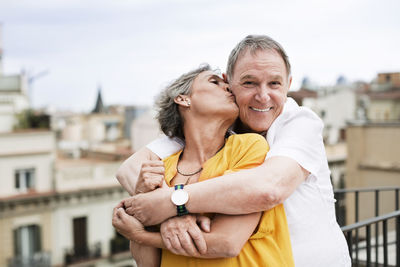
{"x": 182, "y": 100}
{"x": 225, "y": 77}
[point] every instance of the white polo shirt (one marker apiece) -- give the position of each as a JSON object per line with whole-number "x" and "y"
{"x": 315, "y": 235}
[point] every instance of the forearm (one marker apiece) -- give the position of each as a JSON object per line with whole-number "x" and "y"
{"x": 247, "y": 191}
{"x": 217, "y": 246}
{"x": 127, "y": 174}
{"x": 145, "y": 256}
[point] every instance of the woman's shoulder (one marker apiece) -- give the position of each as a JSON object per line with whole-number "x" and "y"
{"x": 247, "y": 139}
{"x": 171, "y": 159}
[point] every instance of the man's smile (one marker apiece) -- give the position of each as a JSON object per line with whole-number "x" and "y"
{"x": 261, "y": 110}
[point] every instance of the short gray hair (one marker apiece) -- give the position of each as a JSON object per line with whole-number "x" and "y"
{"x": 168, "y": 115}
{"x": 253, "y": 43}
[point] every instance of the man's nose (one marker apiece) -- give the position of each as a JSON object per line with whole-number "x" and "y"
{"x": 262, "y": 95}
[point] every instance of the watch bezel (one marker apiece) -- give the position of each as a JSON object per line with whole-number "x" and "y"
{"x": 179, "y": 197}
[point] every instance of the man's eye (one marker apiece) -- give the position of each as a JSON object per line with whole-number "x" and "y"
{"x": 215, "y": 82}
{"x": 275, "y": 83}
{"x": 247, "y": 83}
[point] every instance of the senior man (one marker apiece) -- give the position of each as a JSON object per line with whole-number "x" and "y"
{"x": 295, "y": 171}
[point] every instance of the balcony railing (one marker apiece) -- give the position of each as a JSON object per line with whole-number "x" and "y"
{"x": 383, "y": 250}
{"x": 119, "y": 244}
{"x": 342, "y": 194}
{"x": 39, "y": 259}
{"x": 88, "y": 253}
{"x": 371, "y": 241}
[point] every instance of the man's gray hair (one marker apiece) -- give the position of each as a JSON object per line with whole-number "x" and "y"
{"x": 168, "y": 115}
{"x": 253, "y": 43}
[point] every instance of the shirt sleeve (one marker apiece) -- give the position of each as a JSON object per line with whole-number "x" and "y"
{"x": 164, "y": 146}
{"x": 300, "y": 138}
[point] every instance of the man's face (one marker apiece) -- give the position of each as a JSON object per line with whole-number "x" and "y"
{"x": 260, "y": 84}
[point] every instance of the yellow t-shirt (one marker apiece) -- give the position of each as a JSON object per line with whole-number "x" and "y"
{"x": 270, "y": 243}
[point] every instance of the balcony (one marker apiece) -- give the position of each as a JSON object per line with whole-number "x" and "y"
{"x": 92, "y": 252}
{"x": 373, "y": 241}
{"x": 119, "y": 244}
{"x": 40, "y": 259}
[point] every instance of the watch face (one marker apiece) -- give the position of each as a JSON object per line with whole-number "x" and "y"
{"x": 179, "y": 197}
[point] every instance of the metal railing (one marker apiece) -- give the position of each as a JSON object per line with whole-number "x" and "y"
{"x": 341, "y": 194}
{"x": 368, "y": 244}
{"x": 381, "y": 244}
{"x": 88, "y": 253}
{"x": 119, "y": 244}
{"x": 39, "y": 259}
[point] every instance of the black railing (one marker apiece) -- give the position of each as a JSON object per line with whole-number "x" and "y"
{"x": 119, "y": 244}
{"x": 370, "y": 241}
{"x": 381, "y": 251}
{"x": 88, "y": 253}
{"x": 39, "y": 259}
{"x": 342, "y": 194}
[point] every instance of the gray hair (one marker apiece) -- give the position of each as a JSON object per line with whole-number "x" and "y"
{"x": 253, "y": 43}
{"x": 168, "y": 115}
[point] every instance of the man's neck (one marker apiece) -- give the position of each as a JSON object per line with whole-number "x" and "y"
{"x": 240, "y": 128}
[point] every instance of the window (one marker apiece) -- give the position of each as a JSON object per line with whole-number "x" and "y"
{"x": 24, "y": 179}
{"x": 27, "y": 241}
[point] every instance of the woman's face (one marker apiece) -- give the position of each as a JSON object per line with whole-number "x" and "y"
{"x": 211, "y": 96}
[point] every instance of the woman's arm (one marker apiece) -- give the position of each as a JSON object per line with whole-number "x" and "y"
{"x": 145, "y": 256}
{"x": 227, "y": 236}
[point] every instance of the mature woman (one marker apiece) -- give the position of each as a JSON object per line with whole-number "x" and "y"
{"x": 199, "y": 108}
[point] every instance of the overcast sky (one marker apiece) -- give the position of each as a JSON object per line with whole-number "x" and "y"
{"x": 133, "y": 48}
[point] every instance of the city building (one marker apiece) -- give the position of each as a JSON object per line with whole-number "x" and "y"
{"x": 373, "y": 160}
{"x": 383, "y": 98}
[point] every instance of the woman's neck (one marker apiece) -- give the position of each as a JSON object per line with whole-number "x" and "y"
{"x": 203, "y": 139}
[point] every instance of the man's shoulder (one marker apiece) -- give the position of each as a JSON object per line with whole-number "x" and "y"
{"x": 299, "y": 115}
{"x": 294, "y": 122}
{"x": 293, "y": 110}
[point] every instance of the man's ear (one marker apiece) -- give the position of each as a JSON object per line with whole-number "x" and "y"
{"x": 182, "y": 100}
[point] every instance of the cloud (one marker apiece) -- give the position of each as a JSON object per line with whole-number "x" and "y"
{"x": 133, "y": 48}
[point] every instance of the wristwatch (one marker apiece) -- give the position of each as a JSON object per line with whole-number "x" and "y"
{"x": 180, "y": 197}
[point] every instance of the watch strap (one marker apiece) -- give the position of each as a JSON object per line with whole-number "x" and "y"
{"x": 181, "y": 209}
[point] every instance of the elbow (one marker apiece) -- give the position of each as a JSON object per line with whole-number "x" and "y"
{"x": 230, "y": 248}
{"x": 233, "y": 251}
{"x": 271, "y": 197}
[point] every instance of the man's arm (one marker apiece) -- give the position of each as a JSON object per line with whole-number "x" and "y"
{"x": 247, "y": 191}
{"x": 129, "y": 171}
{"x": 243, "y": 192}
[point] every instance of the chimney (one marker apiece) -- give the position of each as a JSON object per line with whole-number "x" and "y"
{"x": 1, "y": 49}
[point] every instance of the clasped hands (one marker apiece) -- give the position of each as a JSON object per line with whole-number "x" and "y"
{"x": 151, "y": 205}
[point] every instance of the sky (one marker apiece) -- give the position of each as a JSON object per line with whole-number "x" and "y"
{"x": 132, "y": 49}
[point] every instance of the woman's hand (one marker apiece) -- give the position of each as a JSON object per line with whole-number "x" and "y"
{"x": 126, "y": 225}
{"x": 183, "y": 236}
{"x": 151, "y": 176}
{"x": 151, "y": 208}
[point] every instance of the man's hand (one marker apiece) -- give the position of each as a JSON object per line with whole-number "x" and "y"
{"x": 151, "y": 176}
{"x": 151, "y": 208}
{"x": 182, "y": 235}
{"x": 125, "y": 224}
